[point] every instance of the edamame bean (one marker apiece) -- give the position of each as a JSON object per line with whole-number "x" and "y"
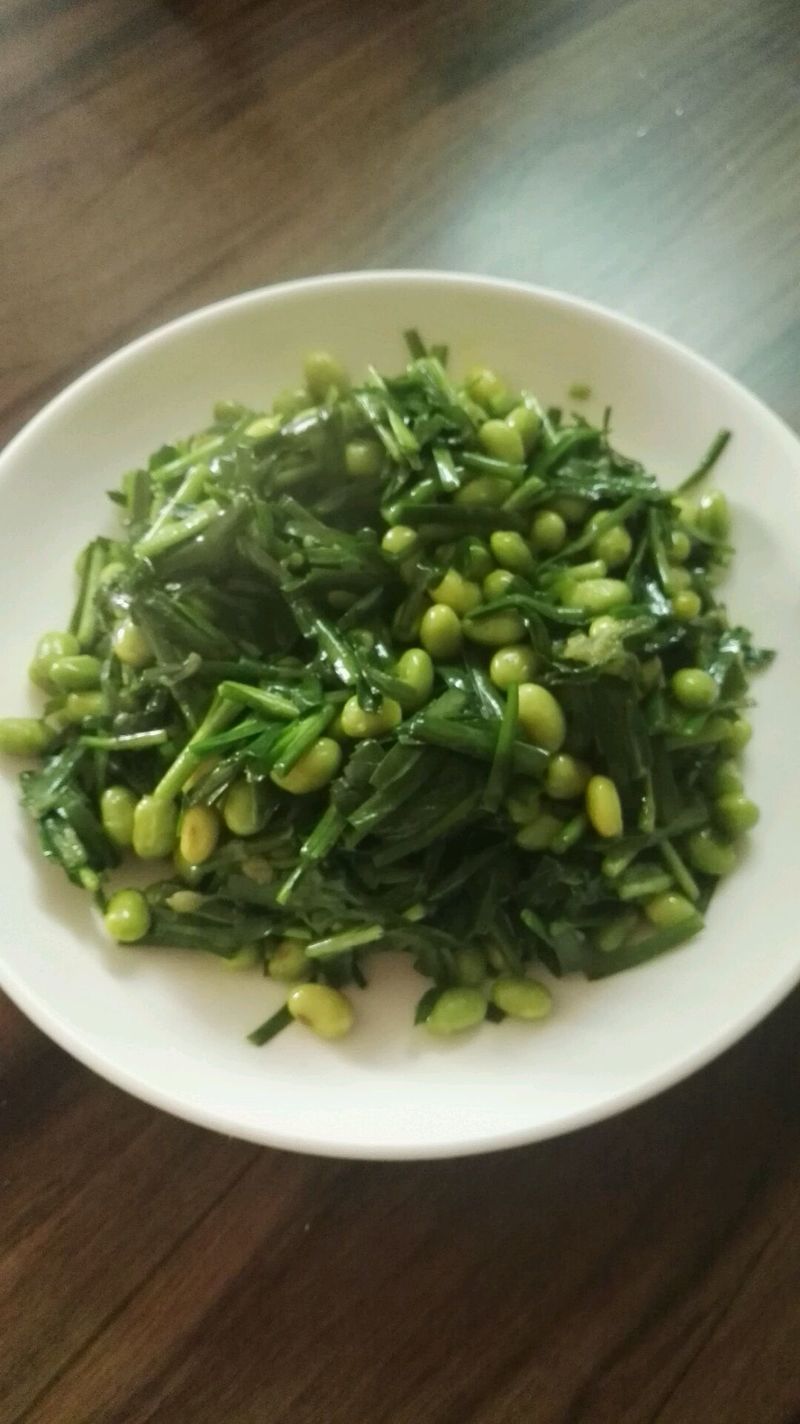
{"x": 680, "y": 546}
{"x": 484, "y": 387}
{"x": 475, "y": 559}
{"x": 470, "y": 966}
{"x": 613, "y": 545}
{"x": 81, "y": 707}
{"x": 486, "y": 492}
{"x": 288, "y": 962}
{"x": 521, "y": 998}
{"x": 49, "y": 647}
{"x": 290, "y": 402}
{"x": 495, "y": 629}
{"x": 323, "y": 372}
{"x": 117, "y": 809}
{"x": 415, "y": 669}
{"x": 363, "y": 458}
{"x": 400, "y": 542}
{"x": 726, "y": 778}
{"x": 596, "y": 595}
{"x": 314, "y": 769}
{"x": 603, "y": 806}
{"x": 127, "y": 916}
{"x": 456, "y": 1010}
{"x": 713, "y": 515}
{"x": 324, "y": 1010}
{"x": 228, "y": 412}
{"x": 709, "y": 854}
{"x": 243, "y": 810}
{"x": 566, "y": 777}
{"x": 129, "y": 644}
{"x": 514, "y": 663}
{"x": 735, "y": 813}
{"x": 440, "y": 632}
{"x": 524, "y": 803}
{"x": 502, "y": 441}
{"x": 456, "y": 592}
{"x": 511, "y": 552}
{"x": 538, "y": 834}
{"x": 185, "y": 902}
{"x": 739, "y": 734}
{"x": 548, "y": 531}
{"x": 75, "y": 674}
{"x": 687, "y": 605}
{"x": 191, "y": 874}
{"x": 541, "y": 717}
{"x": 694, "y": 688}
{"x": 527, "y": 423}
{"x": 613, "y": 934}
{"x": 199, "y": 834}
{"x": 358, "y": 723}
{"x": 263, "y": 427}
{"x": 155, "y": 821}
{"x": 571, "y": 508}
{"x": 669, "y": 909}
{"x": 24, "y": 736}
{"x": 497, "y": 583}
{"x": 678, "y": 581}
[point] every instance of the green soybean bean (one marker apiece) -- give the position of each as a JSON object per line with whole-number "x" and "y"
{"x": 263, "y": 427}
{"x": 694, "y": 689}
{"x": 400, "y": 542}
{"x": 495, "y": 629}
{"x": 521, "y": 998}
{"x": 440, "y": 632}
{"x": 680, "y": 546}
{"x": 669, "y": 909}
{"x": 497, "y": 583}
{"x": 579, "y": 573}
{"x": 288, "y": 962}
{"x": 548, "y": 531}
{"x": 527, "y": 423}
{"x": 726, "y": 778}
{"x": 486, "y": 492}
{"x": 117, "y": 809}
{"x": 687, "y": 605}
{"x": 678, "y": 581}
{"x": 24, "y": 736}
{"x": 49, "y": 647}
{"x": 127, "y": 916}
{"x": 613, "y": 546}
{"x": 502, "y": 441}
{"x": 538, "y": 834}
{"x": 199, "y": 834}
{"x": 596, "y": 595}
{"x": 324, "y": 1010}
{"x": 185, "y": 902}
{"x": 363, "y": 458}
{"x": 484, "y": 387}
{"x": 456, "y": 1010}
{"x": 415, "y": 668}
{"x": 514, "y": 663}
{"x": 713, "y": 515}
{"x": 228, "y": 412}
{"x": 290, "y": 402}
{"x": 524, "y": 803}
{"x": 739, "y": 734}
{"x": 81, "y": 707}
{"x": 358, "y": 724}
{"x": 603, "y": 806}
{"x": 323, "y": 372}
{"x": 735, "y": 813}
{"x": 566, "y": 777}
{"x": 613, "y": 934}
{"x": 314, "y": 769}
{"x": 471, "y": 966}
{"x": 130, "y": 645}
{"x": 75, "y": 674}
{"x": 155, "y": 821}
{"x": 191, "y": 874}
{"x": 243, "y": 809}
{"x": 710, "y": 854}
{"x": 541, "y": 717}
{"x": 456, "y": 592}
{"x": 476, "y": 561}
{"x": 511, "y": 552}
{"x": 571, "y": 508}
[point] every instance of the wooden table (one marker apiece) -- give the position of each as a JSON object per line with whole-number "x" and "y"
{"x": 158, "y": 154}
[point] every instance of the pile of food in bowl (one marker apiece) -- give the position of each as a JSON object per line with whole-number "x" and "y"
{"x": 414, "y": 665}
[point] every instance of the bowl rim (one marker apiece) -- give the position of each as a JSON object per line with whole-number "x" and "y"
{"x": 47, "y": 1018}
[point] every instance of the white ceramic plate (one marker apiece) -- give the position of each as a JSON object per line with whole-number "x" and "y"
{"x": 170, "y": 1027}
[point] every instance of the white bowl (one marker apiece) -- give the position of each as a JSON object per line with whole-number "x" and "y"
{"x": 171, "y": 1027}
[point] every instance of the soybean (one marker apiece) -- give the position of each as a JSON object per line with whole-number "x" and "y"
{"x": 358, "y": 723}
{"x": 24, "y": 736}
{"x": 735, "y": 813}
{"x": 456, "y": 1010}
{"x": 130, "y": 645}
{"x": 415, "y": 669}
{"x": 511, "y": 552}
{"x": 495, "y": 629}
{"x": 117, "y": 810}
{"x": 155, "y": 821}
{"x": 50, "y": 647}
{"x": 313, "y": 770}
{"x": 566, "y": 777}
{"x": 127, "y": 916}
{"x": 541, "y": 717}
{"x": 75, "y": 674}
{"x": 322, "y": 1009}
{"x": 603, "y": 806}
{"x": 527, "y": 423}
{"x": 548, "y": 531}
{"x": 288, "y": 962}
{"x": 456, "y": 592}
{"x": 710, "y": 854}
{"x": 323, "y": 373}
{"x": 400, "y": 542}
{"x": 199, "y": 834}
{"x": 514, "y": 663}
{"x": 596, "y": 595}
{"x": 363, "y": 458}
{"x": 440, "y": 632}
{"x": 669, "y": 909}
{"x": 502, "y": 441}
{"x": 522, "y": 998}
{"x": 694, "y": 688}
{"x": 243, "y": 810}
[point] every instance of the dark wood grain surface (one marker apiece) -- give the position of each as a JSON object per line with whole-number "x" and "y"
{"x": 159, "y": 154}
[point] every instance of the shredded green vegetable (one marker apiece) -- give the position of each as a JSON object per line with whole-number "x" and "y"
{"x": 412, "y": 665}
